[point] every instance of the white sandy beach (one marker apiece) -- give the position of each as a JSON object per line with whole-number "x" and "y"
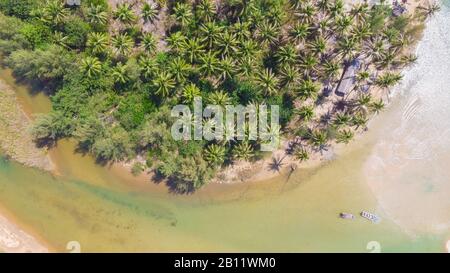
{"x": 13, "y": 239}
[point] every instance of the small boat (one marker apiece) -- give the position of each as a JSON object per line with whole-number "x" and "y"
{"x": 344, "y": 215}
{"x": 370, "y": 216}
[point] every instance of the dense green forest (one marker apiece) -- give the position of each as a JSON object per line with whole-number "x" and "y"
{"x": 114, "y": 71}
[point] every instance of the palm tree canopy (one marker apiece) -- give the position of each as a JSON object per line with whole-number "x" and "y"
{"x": 125, "y": 14}
{"x": 215, "y": 154}
{"x": 96, "y": 14}
{"x": 97, "y": 42}
{"x": 91, "y": 66}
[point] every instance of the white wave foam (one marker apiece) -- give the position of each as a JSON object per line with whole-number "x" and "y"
{"x": 408, "y": 166}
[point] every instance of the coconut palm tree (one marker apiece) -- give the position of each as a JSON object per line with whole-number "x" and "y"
{"x": 375, "y": 49}
{"x": 254, "y": 14}
{"x": 318, "y": 46}
{"x": 190, "y": 91}
{"x": 183, "y": 14}
{"x": 267, "y": 33}
{"x": 344, "y": 136}
{"x": 249, "y": 48}
{"x": 359, "y": 12}
{"x": 227, "y": 43}
{"x": 243, "y": 151}
{"x": 60, "y": 39}
{"x": 364, "y": 100}
{"x": 163, "y": 83}
{"x": 337, "y": 8}
{"x": 296, "y": 4}
{"x": 324, "y": 5}
{"x": 209, "y": 64}
{"x": 361, "y": 32}
{"x": 308, "y": 89}
{"x": 347, "y": 47}
{"x": 341, "y": 119}
{"x": 209, "y": 125}
{"x": 362, "y": 77}
{"x": 215, "y": 155}
{"x": 125, "y": 14}
{"x": 388, "y": 79}
{"x": 54, "y": 12}
{"x": 227, "y": 68}
{"x": 148, "y": 66}
{"x": 430, "y": 10}
{"x": 219, "y": 98}
{"x": 241, "y": 30}
{"x": 119, "y": 73}
{"x": 386, "y": 59}
{"x": 122, "y": 44}
{"x": 148, "y": 43}
{"x": 177, "y": 41}
{"x": 97, "y": 15}
{"x": 309, "y": 64}
{"x": 193, "y": 49}
{"x": 301, "y": 154}
{"x": 268, "y": 82}
{"x": 323, "y": 27}
{"x": 238, "y": 8}
{"x": 400, "y": 43}
{"x": 409, "y": 59}
{"x": 359, "y": 120}
{"x": 97, "y": 42}
{"x": 211, "y": 33}
{"x": 91, "y": 66}
{"x": 330, "y": 70}
{"x": 180, "y": 69}
{"x": 276, "y": 14}
{"x": 286, "y": 54}
{"x": 377, "y": 106}
{"x": 149, "y": 12}
{"x": 306, "y": 113}
{"x": 318, "y": 139}
{"x": 342, "y": 24}
{"x": 206, "y": 10}
{"x": 272, "y": 136}
{"x": 300, "y": 32}
{"x": 390, "y": 34}
{"x": 306, "y": 13}
{"x": 247, "y": 67}
{"x": 289, "y": 76}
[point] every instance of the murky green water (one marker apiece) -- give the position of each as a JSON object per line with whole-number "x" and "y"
{"x": 110, "y": 211}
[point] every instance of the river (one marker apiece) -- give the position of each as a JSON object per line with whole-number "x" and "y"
{"x": 397, "y": 170}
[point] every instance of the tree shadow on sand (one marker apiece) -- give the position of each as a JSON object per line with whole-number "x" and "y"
{"x": 277, "y": 163}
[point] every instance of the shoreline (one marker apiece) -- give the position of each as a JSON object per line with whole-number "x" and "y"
{"x": 429, "y": 205}
{"x": 15, "y": 238}
{"x": 16, "y": 143}
{"x": 15, "y": 139}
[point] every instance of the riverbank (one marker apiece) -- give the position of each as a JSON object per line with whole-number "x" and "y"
{"x": 16, "y": 141}
{"x": 13, "y": 239}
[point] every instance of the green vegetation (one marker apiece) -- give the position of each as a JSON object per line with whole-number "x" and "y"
{"x": 113, "y": 75}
